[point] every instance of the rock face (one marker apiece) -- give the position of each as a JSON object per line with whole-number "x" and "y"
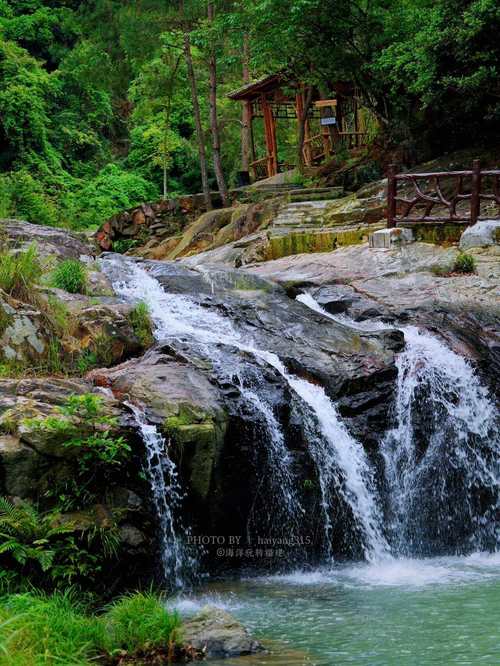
{"x": 202, "y": 397}
{"x": 51, "y": 243}
{"x": 217, "y": 634}
{"x": 406, "y": 285}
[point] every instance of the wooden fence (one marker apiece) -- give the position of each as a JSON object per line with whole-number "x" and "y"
{"x": 457, "y": 194}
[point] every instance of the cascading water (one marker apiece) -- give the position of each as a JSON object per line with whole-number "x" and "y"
{"x": 339, "y": 458}
{"x": 442, "y": 457}
{"x": 166, "y": 496}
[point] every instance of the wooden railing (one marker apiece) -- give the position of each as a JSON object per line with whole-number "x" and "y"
{"x": 260, "y": 168}
{"x": 458, "y": 193}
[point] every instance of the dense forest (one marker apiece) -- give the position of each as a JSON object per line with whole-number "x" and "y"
{"x": 99, "y": 100}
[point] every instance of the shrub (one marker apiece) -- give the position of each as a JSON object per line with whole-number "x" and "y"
{"x": 141, "y": 323}
{"x": 48, "y": 550}
{"x": 70, "y": 275}
{"x": 19, "y": 272}
{"x": 123, "y": 245}
{"x": 464, "y": 263}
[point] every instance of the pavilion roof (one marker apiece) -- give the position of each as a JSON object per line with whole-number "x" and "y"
{"x": 262, "y": 85}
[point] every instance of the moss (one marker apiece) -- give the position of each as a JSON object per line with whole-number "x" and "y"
{"x": 326, "y": 240}
{"x": 439, "y": 233}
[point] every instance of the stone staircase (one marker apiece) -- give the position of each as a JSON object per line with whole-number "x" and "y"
{"x": 316, "y": 221}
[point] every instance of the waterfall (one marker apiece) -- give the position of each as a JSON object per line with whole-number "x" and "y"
{"x": 442, "y": 457}
{"x": 166, "y": 495}
{"x": 340, "y": 459}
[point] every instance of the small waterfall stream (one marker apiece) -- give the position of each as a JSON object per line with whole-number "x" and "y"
{"x": 340, "y": 459}
{"x": 167, "y": 496}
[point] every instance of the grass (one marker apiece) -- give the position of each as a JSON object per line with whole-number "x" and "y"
{"x": 70, "y": 275}
{"x": 19, "y": 272}
{"x": 464, "y": 263}
{"x": 44, "y": 630}
{"x": 141, "y": 323}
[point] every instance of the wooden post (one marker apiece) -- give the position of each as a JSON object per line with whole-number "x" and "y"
{"x": 392, "y": 191}
{"x": 475, "y": 198}
{"x": 270, "y": 134}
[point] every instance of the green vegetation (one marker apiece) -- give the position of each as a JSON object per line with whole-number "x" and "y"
{"x": 42, "y": 631}
{"x": 83, "y": 425}
{"x": 49, "y": 551}
{"x": 19, "y": 272}
{"x": 96, "y": 114}
{"x": 70, "y": 275}
{"x": 141, "y": 323}
{"x": 464, "y": 263}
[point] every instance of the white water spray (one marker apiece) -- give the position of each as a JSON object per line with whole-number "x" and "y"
{"x": 340, "y": 459}
{"x": 442, "y": 458}
{"x": 166, "y": 495}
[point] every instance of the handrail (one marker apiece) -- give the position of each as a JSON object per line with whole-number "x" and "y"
{"x": 399, "y": 208}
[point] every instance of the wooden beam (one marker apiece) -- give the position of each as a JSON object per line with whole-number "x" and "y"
{"x": 322, "y": 103}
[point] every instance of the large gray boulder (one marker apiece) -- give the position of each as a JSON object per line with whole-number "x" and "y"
{"x": 481, "y": 234}
{"x": 217, "y": 634}
{"x": 51, "y": 242}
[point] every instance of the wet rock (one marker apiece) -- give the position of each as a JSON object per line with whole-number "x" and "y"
{"x": 217, "y": 634}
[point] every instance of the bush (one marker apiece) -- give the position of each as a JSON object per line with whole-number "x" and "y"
{"x": 83, "y": 425}
{"x": 142, "y": 324}
{"x": 70, "y": 275}
{"x": 46, "y": 550}
{"x": 464, "y": 263}
{"x": 19, "y": 272}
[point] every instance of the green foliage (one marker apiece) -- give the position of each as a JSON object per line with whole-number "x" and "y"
{"x": 70, "y": 275}
{"x": 44, "y": 630}
{"x": 51, "y": 551}
{"x": 141, "y": 323}
{"x": 19, "y": 272}
{"x": 464, "y": 263}
{"x": 83, "y": 425}
{"x": 140, "y": 622}
{"x": 123, "y": 245}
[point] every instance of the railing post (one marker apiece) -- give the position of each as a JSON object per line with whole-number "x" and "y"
{"x": 392, "y": 190}
{"x": 475, "y": 199}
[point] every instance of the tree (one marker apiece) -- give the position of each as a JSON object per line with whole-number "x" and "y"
{"x": 214, "y": 121}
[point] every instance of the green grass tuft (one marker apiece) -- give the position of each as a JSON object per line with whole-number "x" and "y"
{"x": 44, "y": 630}
{"x": 141, "y": 323}
{"x": 464, "y": 263}
{"x": 70, "y": 275}
{"x": 19, "y": 272}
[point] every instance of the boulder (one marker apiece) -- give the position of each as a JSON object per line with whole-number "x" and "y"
{"x": 51, "y": 243}
{"x": 481, "y": 234}
{"x": 217, "y": 634}
{"x": 23, "y": 331}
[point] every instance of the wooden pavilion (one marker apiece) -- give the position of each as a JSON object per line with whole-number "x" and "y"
{"x": 339, "y": 120}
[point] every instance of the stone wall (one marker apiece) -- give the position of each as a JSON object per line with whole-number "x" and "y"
{"x": 159, "y": 220}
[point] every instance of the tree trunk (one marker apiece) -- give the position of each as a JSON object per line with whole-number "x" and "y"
{"x": 197, "y": 120}
{"x": 302, "y": 128}
{"x": 246, "y": 139}
{"x": 214, "y": 123}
